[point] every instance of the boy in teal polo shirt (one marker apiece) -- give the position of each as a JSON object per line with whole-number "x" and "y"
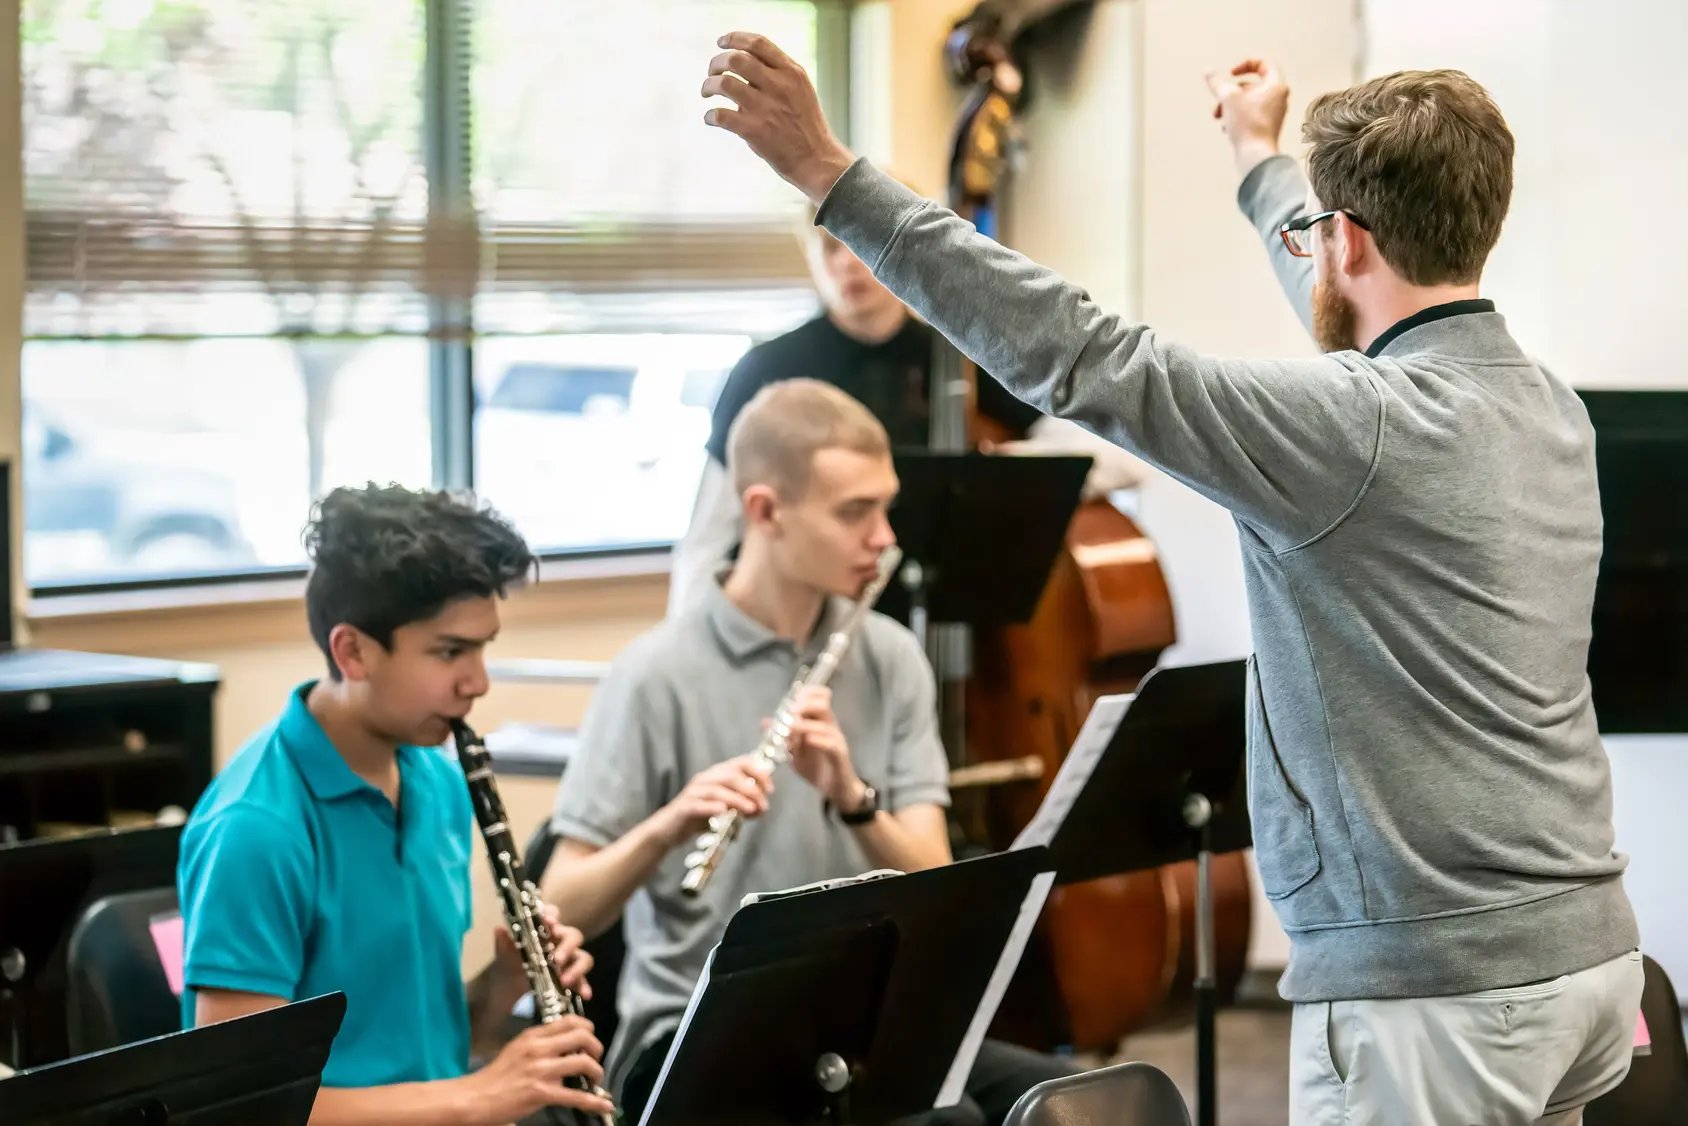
{"x": 333, "y": 852}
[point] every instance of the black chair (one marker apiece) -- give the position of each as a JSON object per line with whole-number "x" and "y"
{"x": 1655, "y": 1092}
{"x": 1124, "y": 1094}
{"x": 608, "y": 950}
{"x": 116, "y": 989}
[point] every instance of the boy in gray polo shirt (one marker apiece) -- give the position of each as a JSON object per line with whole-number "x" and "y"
{"x": 666, "y": 741}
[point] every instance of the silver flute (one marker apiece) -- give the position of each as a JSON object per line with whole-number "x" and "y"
{"x": 521, "y": 901}
{"x": 775, "y": 747}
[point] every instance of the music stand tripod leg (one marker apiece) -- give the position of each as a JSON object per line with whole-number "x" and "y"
{"x": 13, "y": 967}
{"x": 1198, "y": 814}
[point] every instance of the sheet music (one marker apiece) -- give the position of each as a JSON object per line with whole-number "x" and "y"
{"x": 818, "y": 885}
{"x": 1093, "y": 739}
{"x": 1030, "y": 908}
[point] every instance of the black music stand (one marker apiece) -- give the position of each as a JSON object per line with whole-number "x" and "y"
{"x": 45, "y": 886}
{"x": 979, "y": 534}
{"x": 258, "y": 1070}
{"x": 852, "y": 1004}
{"x": 1168, "y": 785}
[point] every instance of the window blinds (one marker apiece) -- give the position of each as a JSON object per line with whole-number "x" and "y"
{"x": 314, "y": 168}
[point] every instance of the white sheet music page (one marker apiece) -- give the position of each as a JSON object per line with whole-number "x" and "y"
{"x": 1093, "y": 739}
{"x": 1030, "y": 908}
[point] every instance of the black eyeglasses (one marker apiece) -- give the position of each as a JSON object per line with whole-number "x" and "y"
{"x": 1298, "y": 232}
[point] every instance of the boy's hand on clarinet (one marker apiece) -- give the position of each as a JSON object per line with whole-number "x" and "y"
{"x": 571, "y": 961}
{"x": 528, "y": 1074}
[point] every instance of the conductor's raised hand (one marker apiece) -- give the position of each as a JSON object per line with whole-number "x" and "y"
{"x": 776, "y": 111}
{"x": 528, "y": 1075}
{"x": 1252, "y": 101}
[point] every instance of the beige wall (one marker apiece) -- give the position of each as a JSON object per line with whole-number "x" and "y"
{"x": 903, "y": 101}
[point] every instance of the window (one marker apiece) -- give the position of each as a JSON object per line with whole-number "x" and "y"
{"x": 279, "y": 246}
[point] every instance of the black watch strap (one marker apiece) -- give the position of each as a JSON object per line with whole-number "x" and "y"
{"x": 867, "y": 811}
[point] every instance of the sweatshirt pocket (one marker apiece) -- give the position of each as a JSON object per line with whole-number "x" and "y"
{"x": 1284, "y": 847}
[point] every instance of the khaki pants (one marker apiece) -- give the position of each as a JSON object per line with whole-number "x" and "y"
{"x": 1530, "y": 1054}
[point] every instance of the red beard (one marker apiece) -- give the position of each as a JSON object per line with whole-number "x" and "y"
{"x": 1333, "y": 319}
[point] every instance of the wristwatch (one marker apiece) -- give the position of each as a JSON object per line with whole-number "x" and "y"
{"x": 866, "y": 811}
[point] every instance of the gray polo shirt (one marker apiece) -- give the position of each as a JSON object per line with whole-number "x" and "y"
{"x": 691, "y": 693}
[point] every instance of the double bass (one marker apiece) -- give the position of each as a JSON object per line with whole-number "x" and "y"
{"x": 1107, "y": 954}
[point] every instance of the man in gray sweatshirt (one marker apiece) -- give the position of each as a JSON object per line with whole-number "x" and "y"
{"x": 1421, "y": 532}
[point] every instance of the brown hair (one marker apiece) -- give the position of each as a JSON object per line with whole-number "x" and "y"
{"x": 775, "y": 438}
{"x": 1424, "y": 158}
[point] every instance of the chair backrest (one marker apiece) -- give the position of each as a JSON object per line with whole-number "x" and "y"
{"x": 1123, "y": 1094}
{"x": 1655, "y": 1092}
{"x": 608, "y": 950}
{"x": 117, "y": 988}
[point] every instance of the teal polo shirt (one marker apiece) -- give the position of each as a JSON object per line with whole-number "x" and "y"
{"x": 299, "y": 878}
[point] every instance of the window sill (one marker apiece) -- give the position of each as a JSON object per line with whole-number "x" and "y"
{"x": 556, "y": 576}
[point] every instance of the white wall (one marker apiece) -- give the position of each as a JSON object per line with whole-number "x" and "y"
{"x": 1591, "y": 273}
{"x": 1128, "y": 189}
{"x": 1591, "y": 266}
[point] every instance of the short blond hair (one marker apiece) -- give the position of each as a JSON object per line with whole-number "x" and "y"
{"x": 775, "y": 438}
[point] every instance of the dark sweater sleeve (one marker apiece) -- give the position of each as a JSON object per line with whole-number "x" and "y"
{"x": 1000, "y": 404}
{"x": 749, "y": 375}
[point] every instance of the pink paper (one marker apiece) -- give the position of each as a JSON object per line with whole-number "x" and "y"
{"x": 1642, "y": 1040}
{"x": 167, "y": 940}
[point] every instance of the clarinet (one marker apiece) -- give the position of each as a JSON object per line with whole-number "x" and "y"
{"x": 775, "y": 747}
{"x": 520, "y": 899}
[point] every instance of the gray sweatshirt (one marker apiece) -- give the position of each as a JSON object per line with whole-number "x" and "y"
{"x": 1432, "y": 806}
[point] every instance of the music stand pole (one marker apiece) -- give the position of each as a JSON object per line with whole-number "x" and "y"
{"x": 1198, "y": 814}
{"x": 1159, "y": 780}
{"x": 914, "y": 581}
{"x": 13, "y": 965}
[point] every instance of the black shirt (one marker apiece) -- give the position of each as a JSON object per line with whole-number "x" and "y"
{"x": 892, "y": 380}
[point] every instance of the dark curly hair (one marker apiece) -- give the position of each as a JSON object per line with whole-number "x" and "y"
{"x": 385, "y": 556}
